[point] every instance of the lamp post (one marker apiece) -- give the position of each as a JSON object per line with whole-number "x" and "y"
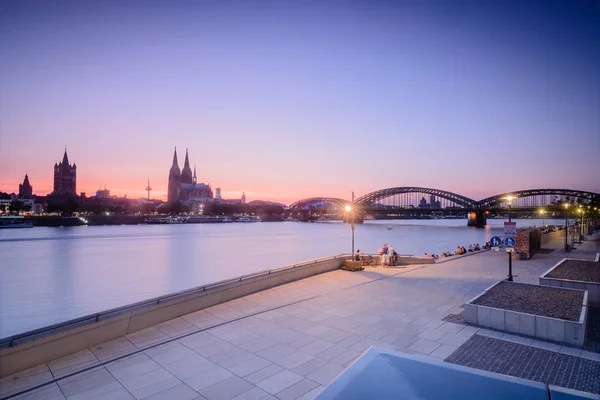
{"x": 542, "y": 213}
{"x": 351, "y": 214}
{"x": 510, "y": 275}
{"x": 566, "y": 226}
{"x": 580, "y": 211}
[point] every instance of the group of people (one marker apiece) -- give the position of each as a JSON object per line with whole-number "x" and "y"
{"x": 388, "y": 255}
{"x": 460, "y": 250}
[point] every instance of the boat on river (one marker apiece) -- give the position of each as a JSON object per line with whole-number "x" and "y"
{"x": 164, "y": 220}
{"x": 249, "y": 219}
{"x": 13, "y": 221}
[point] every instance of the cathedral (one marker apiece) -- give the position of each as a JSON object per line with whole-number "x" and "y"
{"x": 183, "y": 186}
{"x": 65, "y": 178}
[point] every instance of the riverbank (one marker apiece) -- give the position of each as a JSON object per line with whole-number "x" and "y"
{"x": 296, "y": 337}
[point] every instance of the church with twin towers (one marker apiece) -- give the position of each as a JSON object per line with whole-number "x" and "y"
{"x": 184, "y": 186}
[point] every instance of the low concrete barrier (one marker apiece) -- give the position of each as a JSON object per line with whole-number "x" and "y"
{"x": 542, "y": 327}
{"x": 406, "y": 260}
{"x": 32, "y": 348}
{"x": 552, "y": 236}
{"x": 593, "y": 288}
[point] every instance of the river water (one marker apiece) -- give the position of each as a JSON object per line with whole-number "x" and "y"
{"x": 50, "y": 275}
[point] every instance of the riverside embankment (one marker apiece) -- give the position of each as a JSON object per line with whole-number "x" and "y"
{"x": 303, "y": 331}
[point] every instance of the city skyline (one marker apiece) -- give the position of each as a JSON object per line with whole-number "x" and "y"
{"x": 274, "y": 98}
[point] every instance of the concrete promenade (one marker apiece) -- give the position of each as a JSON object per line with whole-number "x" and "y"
{"x": 289, "y": 342}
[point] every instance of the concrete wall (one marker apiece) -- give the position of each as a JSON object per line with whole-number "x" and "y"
{"x": 406, "y": 260}
{"x": 552, "y": 236}
{"x": 29, "y": 351}
{"x": 593, "y": 288}
{"x": 545, "y": 328}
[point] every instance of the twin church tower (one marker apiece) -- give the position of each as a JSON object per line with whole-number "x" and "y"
{"x": 183, "y": 186}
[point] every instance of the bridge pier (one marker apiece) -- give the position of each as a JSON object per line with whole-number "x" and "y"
{"x": 477, "y": 218}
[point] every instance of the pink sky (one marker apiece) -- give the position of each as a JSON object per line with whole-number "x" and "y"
{"x": 297, "y": 99}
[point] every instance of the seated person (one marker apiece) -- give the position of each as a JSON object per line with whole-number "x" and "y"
{"x": 357, "y": 255}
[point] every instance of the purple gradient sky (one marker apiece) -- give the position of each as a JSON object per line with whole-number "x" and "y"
{"x": 290, "y": 99}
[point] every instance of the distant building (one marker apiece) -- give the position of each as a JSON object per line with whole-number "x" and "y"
{"x": 218, "y": 194}
{"x": 103, "y": 194}
{"x": 423, "y": 203}
{"x": 183, "y": 186}
{"x": 25, "y": 189}
{"x": 234, "y": 201}
{"x": 65, "y": 178}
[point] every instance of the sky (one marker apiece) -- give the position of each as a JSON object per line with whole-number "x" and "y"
{"x": 285, "y": 100}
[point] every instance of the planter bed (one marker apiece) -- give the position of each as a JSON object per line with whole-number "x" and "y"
{"x": 575, "y": 274}
{"x": 549, "y": 313}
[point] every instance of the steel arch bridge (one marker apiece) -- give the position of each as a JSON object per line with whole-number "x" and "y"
{"x": 495, "y": 201}
{"x": 318, "y": 203}
{"x": 370, "y": 199}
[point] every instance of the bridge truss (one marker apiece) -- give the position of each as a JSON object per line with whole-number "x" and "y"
{"x": 539, "y": 197}
{"x": 419, "y": 198}
{"x": 411, "y": 196}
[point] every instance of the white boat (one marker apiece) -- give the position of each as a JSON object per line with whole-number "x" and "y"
{"x": 249, "y": 219}
{"x": 12, "y": 222}
{"x": 227, "y": 219}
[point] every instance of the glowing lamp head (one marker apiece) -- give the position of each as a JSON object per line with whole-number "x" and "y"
{"x": 348, "y": 208}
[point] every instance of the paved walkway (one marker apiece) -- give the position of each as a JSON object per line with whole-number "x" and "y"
{"x": 291, "y": 341}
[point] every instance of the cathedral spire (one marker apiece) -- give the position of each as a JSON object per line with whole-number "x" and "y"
{"x": 195, "y": 178}
{"x": 186, "y": 172}
{"x": 187, "y": 160}
{"x": 175, "y": 164}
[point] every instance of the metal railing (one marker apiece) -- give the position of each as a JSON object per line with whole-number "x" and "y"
{"x": 103, "y": 315}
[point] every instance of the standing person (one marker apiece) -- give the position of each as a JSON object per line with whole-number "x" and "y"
{"x": 390, "y": 253}
{"x": 384, "y": 255}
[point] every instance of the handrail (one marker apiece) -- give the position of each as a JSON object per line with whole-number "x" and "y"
{"x": 10, "y": 341}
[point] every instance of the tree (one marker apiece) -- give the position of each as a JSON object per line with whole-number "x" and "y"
{"x": 70, "y": 206}
{"x": 16, "y": 206}
{"x": 173, "y": 208}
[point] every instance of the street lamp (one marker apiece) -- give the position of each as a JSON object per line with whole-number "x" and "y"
{"x": 567, "y": 227}
{"x": 580, "y": 211}
{"x": 509, "y": 199}
{"x": 348, "y": 209}
{"x": 510, "y": 275}
{"x": 542, "y": 213}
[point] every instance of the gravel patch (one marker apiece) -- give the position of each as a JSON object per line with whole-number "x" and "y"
{"x": 455, "y": 318}
{"x": 539, "y": 300}
{"x": 531, "y": 363}
{"x": 577, "y": 270}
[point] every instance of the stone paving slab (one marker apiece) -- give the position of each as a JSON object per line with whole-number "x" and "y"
{"x": 532, "y": 363}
